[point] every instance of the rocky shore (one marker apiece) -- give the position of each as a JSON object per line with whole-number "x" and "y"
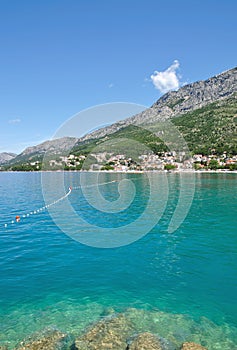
{"x": 116, "y": 331}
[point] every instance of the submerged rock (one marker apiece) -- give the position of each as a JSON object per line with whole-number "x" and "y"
{"x": 3, "y": 347}
{"x": 192, "y": 346}
{"x": 53, "y": 340}
{"x": 145, "y": 341}
{"x": 110, "y": 333}
{"x": 119, "y": 333}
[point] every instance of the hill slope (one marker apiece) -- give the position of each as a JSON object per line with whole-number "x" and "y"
{"x": 6, "y": 156}
{"x": 174, "y": 103}
{"x": 54, "y": 147}
{"x": 207, "y": 130}
{"x": 205, "y": 112}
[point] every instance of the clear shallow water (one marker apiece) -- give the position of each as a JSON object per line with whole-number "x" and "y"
{"x": 184, "y": 283}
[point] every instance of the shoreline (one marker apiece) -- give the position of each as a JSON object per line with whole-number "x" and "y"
{"x": 180, "y": 171}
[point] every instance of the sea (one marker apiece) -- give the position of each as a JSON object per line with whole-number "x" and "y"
{"x": 180, "y": 284}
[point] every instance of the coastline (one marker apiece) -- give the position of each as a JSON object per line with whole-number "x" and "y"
{"x": 179, "y": 171}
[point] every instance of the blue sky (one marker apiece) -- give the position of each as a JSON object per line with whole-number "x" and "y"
{"x": 59, "y": 57}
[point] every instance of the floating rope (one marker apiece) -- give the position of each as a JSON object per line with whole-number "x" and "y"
{"x": 100, "y": 184}
{"x": 39, "y": 210}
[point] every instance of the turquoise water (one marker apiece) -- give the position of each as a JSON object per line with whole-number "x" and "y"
{"x": 186, "y": 280}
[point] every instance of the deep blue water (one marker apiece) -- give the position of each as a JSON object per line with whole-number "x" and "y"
{"x": 48, "y": 279}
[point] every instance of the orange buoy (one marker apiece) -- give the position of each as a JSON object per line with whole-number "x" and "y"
{"x": 18, "y": 218}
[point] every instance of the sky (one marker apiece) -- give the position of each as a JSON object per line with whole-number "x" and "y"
{"x": 59, "y": 57}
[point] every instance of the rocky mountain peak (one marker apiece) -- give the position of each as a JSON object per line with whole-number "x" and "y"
{"x": 52, "y": 146}
{"x": 6, "y": 156}
{"x": 173, "y": 103}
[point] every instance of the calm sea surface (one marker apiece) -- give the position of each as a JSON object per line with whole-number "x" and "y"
{"x": 189, "y": 277}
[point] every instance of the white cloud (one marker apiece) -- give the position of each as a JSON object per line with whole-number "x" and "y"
{"x": 168, "y": 79}
{"x": 14, "y": 121}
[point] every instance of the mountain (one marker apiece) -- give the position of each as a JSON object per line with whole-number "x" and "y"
{"x": 174, "y": 103}
{"x": 205, "y": 112}
{"x": 206, "y": 130}
{"x": 5, "y": 157}
{"x": 54, "y": 147}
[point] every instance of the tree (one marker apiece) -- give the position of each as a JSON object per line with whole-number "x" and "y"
{"x": 213, "y": 164}
{"x": 107, "y": 167}
{"x": 169, "y": 167}
{"x": 231, "y": 167}
{"x": 197, "y": 166}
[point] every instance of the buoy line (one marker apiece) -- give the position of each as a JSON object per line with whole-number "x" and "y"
{"x": 41, "y": 209}
{"x": 100, "y": 184}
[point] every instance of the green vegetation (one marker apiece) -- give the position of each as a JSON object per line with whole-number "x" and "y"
{"x": 213, "y": 164}
{"x": 211, "y": 129}
{"x": 107, "y": 167}
{"x": 169, "y": 167}
{"x": 131, "y": 141}
{"x": 197, "y": 166}
{"x": 88, "y": 162}
{"x": 208, "y": 130}
{"x": 231, "y": 167}
{"x": 26, "y": 167}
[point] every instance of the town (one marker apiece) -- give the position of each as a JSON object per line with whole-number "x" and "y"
{"x": 167, "y": 161}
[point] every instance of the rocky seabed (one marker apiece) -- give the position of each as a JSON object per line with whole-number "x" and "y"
{"x": 124, "y": 331}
